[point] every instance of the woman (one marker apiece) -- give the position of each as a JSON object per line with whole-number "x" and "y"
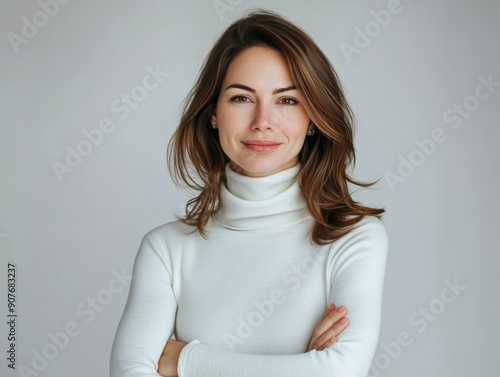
{"x": 244, "y": 281}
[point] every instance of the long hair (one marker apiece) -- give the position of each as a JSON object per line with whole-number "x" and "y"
{"x": 195, "y": 156}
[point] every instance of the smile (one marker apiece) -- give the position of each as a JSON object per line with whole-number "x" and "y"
{"x": 261, "y": 146}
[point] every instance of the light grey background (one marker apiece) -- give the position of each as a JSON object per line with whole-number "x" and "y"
{"x": 69, "y": 238}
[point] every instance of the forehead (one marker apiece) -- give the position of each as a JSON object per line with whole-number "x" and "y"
{"x": 259, "y": 67}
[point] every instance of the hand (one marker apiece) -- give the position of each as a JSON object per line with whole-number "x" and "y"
{"x": 167, "y": 365}
{"x": 330, "y": 326}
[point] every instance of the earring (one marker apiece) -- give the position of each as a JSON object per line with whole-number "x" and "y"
{"x": 310, "y": 132}
{"x": 214, "y": 126}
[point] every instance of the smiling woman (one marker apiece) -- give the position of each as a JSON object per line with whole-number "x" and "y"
{"x": 258, "y": 277}
{"x": 260, "y": 111}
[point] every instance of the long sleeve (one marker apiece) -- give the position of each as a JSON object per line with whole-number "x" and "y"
{"x": 149, "y": 314}
{"x": 356, "y": 267}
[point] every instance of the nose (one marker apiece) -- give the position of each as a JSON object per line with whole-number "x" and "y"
{"x": 263, "y": 119}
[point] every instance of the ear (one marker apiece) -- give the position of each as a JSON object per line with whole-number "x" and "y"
{"x": 213, "y": 115}
{"x": 310, "y": 126}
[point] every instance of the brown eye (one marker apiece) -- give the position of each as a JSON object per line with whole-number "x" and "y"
{"x": 239, "y": 99}
{"x": 289, "y": 101}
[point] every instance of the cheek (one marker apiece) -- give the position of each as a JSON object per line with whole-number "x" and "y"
{"x": 295, "y": 122}
{"x": 228, "y": 141}
{"x": 234, "y": 121}
{"x": 296, "y": 133}
{"x": 297, "y": 139}
{"x": 231, "y": 126}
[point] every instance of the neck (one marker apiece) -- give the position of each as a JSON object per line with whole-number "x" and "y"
{"x": 258, "y": 202}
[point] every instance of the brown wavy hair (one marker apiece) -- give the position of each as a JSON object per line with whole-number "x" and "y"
{"x": 196, "y": 159}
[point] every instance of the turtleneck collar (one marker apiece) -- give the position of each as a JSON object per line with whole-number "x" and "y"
{"x": 252, "y": 203}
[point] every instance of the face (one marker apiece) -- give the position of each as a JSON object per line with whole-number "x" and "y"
{"x": 261, "y": 121}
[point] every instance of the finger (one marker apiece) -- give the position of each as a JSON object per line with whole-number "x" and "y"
{"x": 328, "y": 343}
{"x": 329, "y": 320}
{"x": 333, "y": 332}
{"x": 328, "y": 310}
{"x": 325, "y": 324}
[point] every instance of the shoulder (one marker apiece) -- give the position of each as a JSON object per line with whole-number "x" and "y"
{"x": 159, "y": 243}
{"x": 368, "y": 239}
{"x": 167, "y": 231}
{"x": 370, "y": 227}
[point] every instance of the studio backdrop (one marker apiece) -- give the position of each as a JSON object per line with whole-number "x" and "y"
{"x": 91, "y": 92}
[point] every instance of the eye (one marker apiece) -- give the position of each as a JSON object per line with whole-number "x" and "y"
{"x": 289, "y": 101}
{"x": 239, "y": 99}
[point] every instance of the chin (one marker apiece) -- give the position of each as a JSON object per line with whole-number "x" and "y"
{"x": 258, "y": 169}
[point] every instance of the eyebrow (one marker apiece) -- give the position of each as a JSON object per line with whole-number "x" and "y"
{"x": 275, "y": 91}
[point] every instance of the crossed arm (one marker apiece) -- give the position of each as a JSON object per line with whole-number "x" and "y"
{"x": 356, "y": 268}
{"x": 332, "y": 323}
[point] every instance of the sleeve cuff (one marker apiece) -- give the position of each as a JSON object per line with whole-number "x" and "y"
{"x": 182, "y": 363}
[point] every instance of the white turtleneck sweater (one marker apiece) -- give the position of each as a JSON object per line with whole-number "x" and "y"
{"x": 247, "y": 299}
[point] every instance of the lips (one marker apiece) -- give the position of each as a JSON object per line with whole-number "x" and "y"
{"x": 260, "y": 142}
{"x": 261, "y": 146}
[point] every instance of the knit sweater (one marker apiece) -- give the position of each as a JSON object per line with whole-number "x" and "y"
{"x": 247, "y": 298}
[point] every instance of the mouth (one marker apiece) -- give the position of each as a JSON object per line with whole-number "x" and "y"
{"x": 261, "y": 146}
